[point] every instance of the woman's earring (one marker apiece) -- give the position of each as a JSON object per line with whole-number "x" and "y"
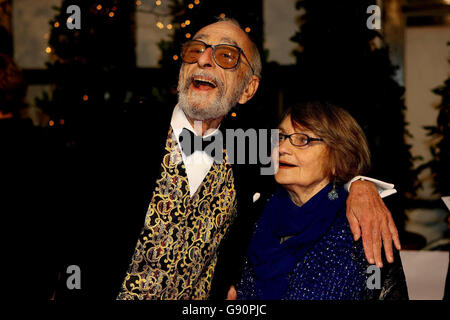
{"x": 333, "y": 195}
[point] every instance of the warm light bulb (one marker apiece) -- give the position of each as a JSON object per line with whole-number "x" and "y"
{"x": 48, "y": 49}
{"x": 222, "y": 15}
{"x": 85, "y": 97}
{"x": 56, "y": 25}
{"x": 187, "y": 22}
{"x": 247, "y": 29}
{"x": 188, "y": 35}
{"x": 99, "y": 7}
{"x": 175, "y": 57}
{"x": 197, "y": 1}
{"x": 158, "y": 2}
{"x": 51, "y": 123}
{"x": 111, "y": 14}
{"x": 183, "y": 25}
{"x": 190, "y": 5}
{"x": 169, "y": 26}
{"x": 160, "y": 25}
{"x": 69, "y": 20}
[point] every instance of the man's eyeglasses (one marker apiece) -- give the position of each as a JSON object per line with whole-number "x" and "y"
{"x": 297, "y": 139}
{"x": 226, "y": 56}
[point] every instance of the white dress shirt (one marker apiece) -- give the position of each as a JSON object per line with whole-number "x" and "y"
{"x": 199, "y": 163}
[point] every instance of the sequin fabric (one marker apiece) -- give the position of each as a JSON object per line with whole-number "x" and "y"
{"x": 176, "y": 252}
{"x": 333, "y": 269}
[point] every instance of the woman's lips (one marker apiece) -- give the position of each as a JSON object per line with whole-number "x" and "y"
{"x": 286, "y": 165}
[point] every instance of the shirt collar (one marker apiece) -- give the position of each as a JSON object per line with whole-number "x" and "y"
{"x": 179, "y": 121}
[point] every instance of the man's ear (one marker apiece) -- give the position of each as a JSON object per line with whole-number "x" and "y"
{"x": 250, "y": 90}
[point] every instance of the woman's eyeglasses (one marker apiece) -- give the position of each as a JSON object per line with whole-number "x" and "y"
{"x": 226, "y": 56}
{"x": 297, "y": 139}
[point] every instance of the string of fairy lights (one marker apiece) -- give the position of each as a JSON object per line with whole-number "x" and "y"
{"x": 161, "y": 14}
{"x": 157, "y": 8}
{"x": 169, "y": 26}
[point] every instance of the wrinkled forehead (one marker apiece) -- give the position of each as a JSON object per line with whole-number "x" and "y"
{"x": 224, "y": 32}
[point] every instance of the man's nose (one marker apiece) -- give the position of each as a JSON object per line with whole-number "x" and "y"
{"x": 206, "y": 59}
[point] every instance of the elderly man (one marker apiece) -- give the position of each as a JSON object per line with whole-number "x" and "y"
{"x": 157, "y": 214}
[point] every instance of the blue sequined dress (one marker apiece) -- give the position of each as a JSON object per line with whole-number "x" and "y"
{"x": 333, "y": 269}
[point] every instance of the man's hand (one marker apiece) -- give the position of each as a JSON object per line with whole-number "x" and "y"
{"x": 367, "y": 212}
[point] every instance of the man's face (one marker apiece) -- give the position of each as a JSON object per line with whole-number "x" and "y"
{"x": 205, "y": 90}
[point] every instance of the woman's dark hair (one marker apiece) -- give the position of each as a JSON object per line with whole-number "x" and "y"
{"x": 348, "y": 151}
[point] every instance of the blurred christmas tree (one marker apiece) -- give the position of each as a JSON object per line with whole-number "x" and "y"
{"x": 440, "y": 148}
{"x": 90, "y": 66}
{"x": 343, "y": 61}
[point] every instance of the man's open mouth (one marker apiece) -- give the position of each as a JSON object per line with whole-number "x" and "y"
{"x": 200, "y": 82}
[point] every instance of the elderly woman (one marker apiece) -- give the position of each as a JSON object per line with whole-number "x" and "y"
{"x": 302, "y": 247}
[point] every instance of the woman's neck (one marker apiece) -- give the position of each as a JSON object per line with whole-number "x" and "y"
{"x": 300, "y": 195}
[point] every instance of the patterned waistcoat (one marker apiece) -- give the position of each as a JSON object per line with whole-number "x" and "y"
{"x": 176, "y": 252}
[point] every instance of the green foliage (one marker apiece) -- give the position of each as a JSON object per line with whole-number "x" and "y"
{"x": 440, "y": 145}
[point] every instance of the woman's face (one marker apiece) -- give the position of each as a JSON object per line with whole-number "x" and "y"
{"x": 301, "y": 168}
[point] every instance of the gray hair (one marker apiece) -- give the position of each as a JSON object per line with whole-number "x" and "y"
{"x": 255, "y": 57}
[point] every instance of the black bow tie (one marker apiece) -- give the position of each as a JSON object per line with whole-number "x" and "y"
{"x": 190, "y": 142}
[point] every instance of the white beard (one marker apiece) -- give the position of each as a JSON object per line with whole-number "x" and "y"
{"x": 221, "y": 105}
